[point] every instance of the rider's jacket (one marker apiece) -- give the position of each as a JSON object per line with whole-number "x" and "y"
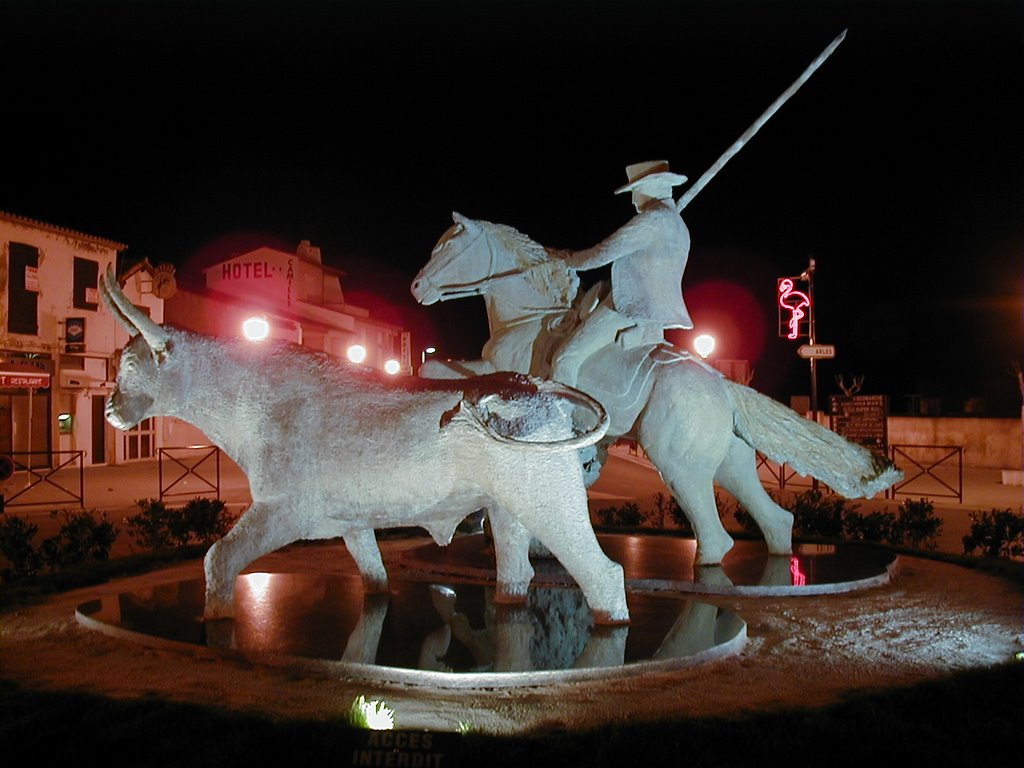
{"x": 648, "y": 256}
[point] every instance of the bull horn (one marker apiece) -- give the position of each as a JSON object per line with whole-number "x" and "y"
{"x": 131, "y": 317}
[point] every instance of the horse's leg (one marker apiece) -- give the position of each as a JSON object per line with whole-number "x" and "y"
{"x": 262, "y": 529}
{"x": 738, "y": 475}
{"x": 685, "y": 430}
{"x": 511, "y": 555}
{"x": 362, "y": 545}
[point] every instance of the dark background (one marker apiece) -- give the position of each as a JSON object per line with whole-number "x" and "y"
{"x": 194, "y": 130}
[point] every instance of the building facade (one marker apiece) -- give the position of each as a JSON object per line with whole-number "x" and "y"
{"x": 58, "y": 346}
{"x": 298, "y": 297}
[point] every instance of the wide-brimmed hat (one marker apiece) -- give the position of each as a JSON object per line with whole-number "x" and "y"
{"x": 651, "y": 173}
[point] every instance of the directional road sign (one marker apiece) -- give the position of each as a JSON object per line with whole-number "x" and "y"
{"x": 816, "y": 351}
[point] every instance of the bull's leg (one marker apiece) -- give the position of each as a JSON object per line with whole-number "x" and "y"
{"x": 738, "y": 475}
{"x": 262, "y": 529}
{"x": 512, "y": 557}
{"x": 362, "y": 545}
{"x": 553, "y": 505}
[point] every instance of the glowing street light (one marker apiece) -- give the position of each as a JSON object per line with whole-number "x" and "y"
{"x": 427, "y": 351}
{"x": 704, "y": 344}
{"x": 392, "y": 367}
{"x": 357, "y": 353}
{"x": 255, "y": 328}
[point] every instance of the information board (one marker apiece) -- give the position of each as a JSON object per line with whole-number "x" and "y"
{"x": 862, "y": 419}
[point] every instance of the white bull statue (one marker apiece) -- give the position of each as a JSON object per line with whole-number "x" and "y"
{"x": 331, "y": 450}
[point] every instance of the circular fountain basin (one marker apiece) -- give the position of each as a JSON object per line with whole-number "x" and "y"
{"x": 661, "y": 563}
{"x": 439, "y": 634}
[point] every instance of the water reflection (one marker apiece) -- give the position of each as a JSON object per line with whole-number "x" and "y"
{"x": 668, "y": 563}
{"x": 454, "y": 628}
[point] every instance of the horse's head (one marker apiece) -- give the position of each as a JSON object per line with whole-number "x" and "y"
{"x": 460, "y": 264}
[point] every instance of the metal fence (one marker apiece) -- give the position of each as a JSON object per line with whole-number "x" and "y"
{"x": 190, "y": 465}
{"x": 62, "y": 482}
{"x": 930, "y": 471}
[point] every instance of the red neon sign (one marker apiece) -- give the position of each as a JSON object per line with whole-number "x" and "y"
{"x": 795, "y": 302}
{"x": 799, "y": 579}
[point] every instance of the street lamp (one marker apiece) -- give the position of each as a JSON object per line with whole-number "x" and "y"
{"x": 255, "y": 328}
{"x": 392, "y": 367}
{"x": 426, "y": 351}
{"x": 704, "y": 344}
{"x": 356, "y": 353}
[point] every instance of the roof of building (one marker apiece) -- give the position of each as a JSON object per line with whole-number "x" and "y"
{"x": 36, "y": 223}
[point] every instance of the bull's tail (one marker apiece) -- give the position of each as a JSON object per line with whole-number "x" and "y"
{"x": 783, "y": 435}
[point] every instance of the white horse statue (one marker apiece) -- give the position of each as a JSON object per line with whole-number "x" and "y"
{"x": 697, "y": 427}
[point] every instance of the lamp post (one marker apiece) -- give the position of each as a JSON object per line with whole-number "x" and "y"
{"x": 426, "y": 351}
{"x": 255, "y": 328}
{"x": 704, "y": 344}
{"x": 356, "y": 353}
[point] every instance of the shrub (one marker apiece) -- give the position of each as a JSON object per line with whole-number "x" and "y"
{"x": 997, "y": 533}
{"x": 916, "y": 524}
{"x": 157, "y": 526}
{"x": 628, "y": 514}
{"x": 667, "y": 506}
{"x": 206, "y": 520}
{"x": 874, "y": 526}
{"x": 815, "y": 514}
{"x": 81, "y": 537}
{"x": 16, "y": 546}
{"x": 151, "y": 527}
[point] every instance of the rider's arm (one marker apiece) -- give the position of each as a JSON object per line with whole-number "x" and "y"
{"x": 632, "y": 237}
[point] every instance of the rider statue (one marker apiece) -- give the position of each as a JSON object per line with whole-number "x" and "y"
{"x": 648, "y": 256}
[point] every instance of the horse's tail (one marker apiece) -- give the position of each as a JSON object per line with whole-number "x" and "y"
{"x": 784, "y": 436}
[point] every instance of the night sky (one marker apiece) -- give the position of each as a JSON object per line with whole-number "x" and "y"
{"x": 194, "y": 130}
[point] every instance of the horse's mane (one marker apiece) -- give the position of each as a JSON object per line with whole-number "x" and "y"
{"x": 543, "y": 268}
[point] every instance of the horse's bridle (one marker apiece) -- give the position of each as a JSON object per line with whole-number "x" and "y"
{"x": 476, "y": 287}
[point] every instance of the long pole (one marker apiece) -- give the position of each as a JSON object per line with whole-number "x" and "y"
{"x": 737, "y": 145}
{"x": 811, "y": 333}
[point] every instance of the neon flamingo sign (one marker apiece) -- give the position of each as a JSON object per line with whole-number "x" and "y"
{"x": 795, "y": 302}
{"x": 799, "y": 579}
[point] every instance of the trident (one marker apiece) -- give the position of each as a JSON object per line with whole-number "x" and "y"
{"x": 737, "y": 145}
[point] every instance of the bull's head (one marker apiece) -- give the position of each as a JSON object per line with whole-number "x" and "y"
{"x": 138, "y": 376}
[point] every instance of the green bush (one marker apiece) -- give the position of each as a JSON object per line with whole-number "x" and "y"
{"x": 874, "y": 526}
{"x": 200, "y": 521}
{"x": 916, "y": 524}
{"x": 997, "y": 533}
{"x": 628, "y": 515}
{"x": 81, "y": 537}
{"x": 668, "y": 507}
{"x": 16, "y": 547}
{"x": 815, "y": 514}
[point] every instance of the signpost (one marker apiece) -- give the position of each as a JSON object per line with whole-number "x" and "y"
{"x": 817, "y": 351}
{"x": 862, "y": 419}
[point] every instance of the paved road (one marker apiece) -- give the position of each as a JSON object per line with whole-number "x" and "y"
{"x": 626, "y": 478}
